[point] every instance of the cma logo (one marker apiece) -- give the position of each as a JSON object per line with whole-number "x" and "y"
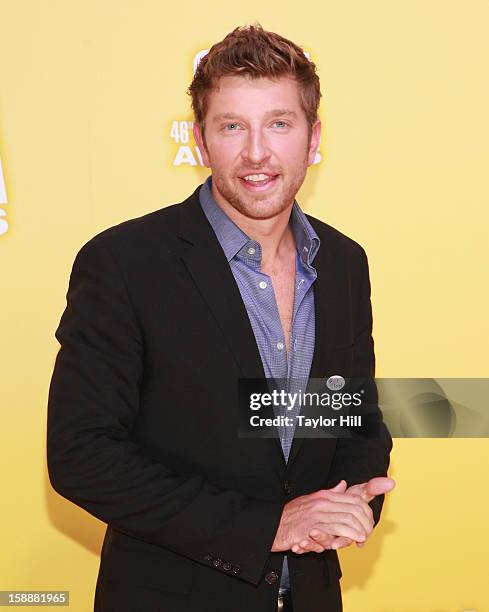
{"x": 3, "y": 200}
{"x": 181, "y": 132}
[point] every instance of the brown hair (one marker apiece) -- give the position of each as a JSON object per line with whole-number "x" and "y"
{"x": 254, "y": 52}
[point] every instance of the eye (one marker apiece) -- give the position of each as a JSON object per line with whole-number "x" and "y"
{"x": 280, "y": 123}
{"x": 231, "y": 127}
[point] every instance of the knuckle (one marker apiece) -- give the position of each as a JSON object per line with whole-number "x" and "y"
{"x": 356, "y": 512}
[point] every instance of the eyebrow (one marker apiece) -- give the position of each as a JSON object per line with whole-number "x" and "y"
{"x": 272, "y": 113}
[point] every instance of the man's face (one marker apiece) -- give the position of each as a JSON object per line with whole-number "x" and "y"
{"x": 257, "y": 144}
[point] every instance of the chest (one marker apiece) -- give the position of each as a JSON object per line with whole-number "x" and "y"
{"x": 283, "y": 281}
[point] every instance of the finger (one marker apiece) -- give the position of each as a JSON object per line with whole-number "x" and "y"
{"x": 379, "y": 486}
{"x": 343, "y": 542}
{"x": 350, "y": 513}
{"x": 316, "y": 533}
{"x": 373, "y": 487}
{"x": 349, "y": 498}
{"x": 340, "y": 529}
{"x": 361, "y": 524}
{"x": 341, "y": 487}
{"x": 322, "y": 538}
{"x": 311, "y": 546}
{"x": 360, "y": 490}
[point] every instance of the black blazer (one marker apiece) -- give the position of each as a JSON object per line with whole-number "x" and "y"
{"x": 142, "y": 417}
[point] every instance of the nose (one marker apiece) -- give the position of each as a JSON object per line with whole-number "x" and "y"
{"x": 255, "y": 150}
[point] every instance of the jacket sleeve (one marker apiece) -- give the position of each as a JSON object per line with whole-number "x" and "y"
{"x": 92, "y": 461}
{"x": 362, "y": 457}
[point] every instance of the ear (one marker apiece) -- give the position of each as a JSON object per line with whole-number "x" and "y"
{"x": 315, "y": 140}
{"x": 199, "y": 139}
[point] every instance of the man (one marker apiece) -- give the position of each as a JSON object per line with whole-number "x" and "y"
{"x": 166, "y": 313}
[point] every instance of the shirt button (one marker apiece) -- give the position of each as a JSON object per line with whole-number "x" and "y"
{"x": 251, "y": 251}
{"x": 263, "y": 285}
{"x": 280, "y": 345}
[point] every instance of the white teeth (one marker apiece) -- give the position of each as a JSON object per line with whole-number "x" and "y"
{"x": 256, "y": 177}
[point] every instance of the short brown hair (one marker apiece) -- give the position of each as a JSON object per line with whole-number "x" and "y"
{"x": 254, "y": 52}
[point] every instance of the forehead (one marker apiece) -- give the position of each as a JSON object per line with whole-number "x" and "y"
{"x": 243, "y": 95}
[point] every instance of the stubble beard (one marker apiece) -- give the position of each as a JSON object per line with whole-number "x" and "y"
{"x": 256, "y": 206}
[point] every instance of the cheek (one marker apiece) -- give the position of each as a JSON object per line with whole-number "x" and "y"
{"x": 291, "y": 151}
{"x": 224, "y": 154}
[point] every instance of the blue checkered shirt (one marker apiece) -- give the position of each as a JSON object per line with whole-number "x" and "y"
{"x": 244, "y": 257}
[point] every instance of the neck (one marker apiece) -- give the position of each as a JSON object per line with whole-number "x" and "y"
{"x": 274, "y": 235}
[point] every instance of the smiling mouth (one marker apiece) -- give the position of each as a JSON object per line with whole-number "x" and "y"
{"x": 259, "y": 181}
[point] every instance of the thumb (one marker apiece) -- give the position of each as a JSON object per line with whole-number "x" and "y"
{"x": 380, "y": 485}
{"x": 340, "y": 487}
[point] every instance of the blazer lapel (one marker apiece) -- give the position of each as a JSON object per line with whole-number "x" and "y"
{"x": 210, "y": 271}
{"x": 326, "y": 298}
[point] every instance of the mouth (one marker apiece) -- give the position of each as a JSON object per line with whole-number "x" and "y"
{"x": 258, "y": 182}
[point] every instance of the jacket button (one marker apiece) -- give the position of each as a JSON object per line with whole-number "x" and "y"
{"x": 271, "y": 577}
{"x": 236, "y": 569}
{"x": 226, "y": 566}
{"x": 287, "y": 487}
{"x": 217, "y": 562}
{"x": 208, "y": 558}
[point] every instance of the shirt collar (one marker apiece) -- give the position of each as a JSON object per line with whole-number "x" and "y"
{"x": 232, "y": 239}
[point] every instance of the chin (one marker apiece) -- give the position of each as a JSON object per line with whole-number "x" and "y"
{"x": 253, "y": 206}
{"x": 261, "y": 209}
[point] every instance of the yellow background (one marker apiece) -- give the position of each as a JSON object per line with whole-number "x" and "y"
{"x": 88, "y": 93}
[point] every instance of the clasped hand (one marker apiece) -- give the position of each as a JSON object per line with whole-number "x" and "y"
{"x": 329, "y": 518}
